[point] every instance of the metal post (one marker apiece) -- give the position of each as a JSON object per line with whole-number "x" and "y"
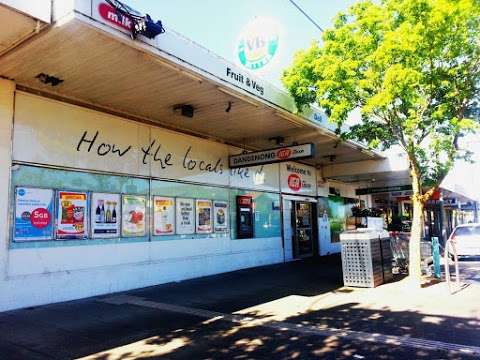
{"x": 436, "y": 257}
{"x": 448, "y": 245}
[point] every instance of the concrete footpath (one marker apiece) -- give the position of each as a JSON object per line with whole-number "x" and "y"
{"x": 297, "y": 310}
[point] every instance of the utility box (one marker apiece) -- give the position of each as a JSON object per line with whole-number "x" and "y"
{"x": 366, "y": 257}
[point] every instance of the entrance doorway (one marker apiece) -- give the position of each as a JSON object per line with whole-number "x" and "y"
{"x": 300, "y": 227}
{"x": 302, "y": 223}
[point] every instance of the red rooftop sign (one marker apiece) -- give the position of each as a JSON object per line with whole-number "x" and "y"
{"x": 113, "y": 16}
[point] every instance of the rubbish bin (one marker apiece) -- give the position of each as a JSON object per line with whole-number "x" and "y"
{"x": 366, "y": 257}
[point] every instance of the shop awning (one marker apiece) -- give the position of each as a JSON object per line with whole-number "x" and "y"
{"x": 101, "y": 67}
{"x": 388, "y": 172}
{"x": 21, "y": 20}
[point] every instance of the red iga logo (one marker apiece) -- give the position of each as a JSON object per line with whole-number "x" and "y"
{"x": 40, "y": 218}
{"x": 294, "y": 182}
{"x": 283, "y": 154}
{"x": 111, "y": 15}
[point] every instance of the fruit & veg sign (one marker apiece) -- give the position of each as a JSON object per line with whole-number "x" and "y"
{"x": 33, "y": 214}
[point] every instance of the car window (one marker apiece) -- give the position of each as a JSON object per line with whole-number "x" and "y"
{"x": 467, "y": 231}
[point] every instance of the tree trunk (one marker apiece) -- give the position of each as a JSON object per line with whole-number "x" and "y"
{"x": 416, "y": 234}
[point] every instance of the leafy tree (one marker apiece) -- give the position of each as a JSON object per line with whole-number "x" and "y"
{"x": 413, "y": 68}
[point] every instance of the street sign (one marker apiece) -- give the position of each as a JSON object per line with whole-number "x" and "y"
{"x": 286, "y": 153}
{"x": 383, "y": 189}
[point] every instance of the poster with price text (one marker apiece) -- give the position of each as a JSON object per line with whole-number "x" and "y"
{"x": 133, "y": 215}
{"x": 185, "y": 216}
{"x": 33, "y": 214}
{"x": 204, "y": 216}
{"x": 71, "y": 215}
{"x": 220, "y": 216}
{"x": 105, "y": 215}
{"x": 163, "y": 215}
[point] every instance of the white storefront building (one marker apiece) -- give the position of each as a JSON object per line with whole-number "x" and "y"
{"x": 106, "y": 186}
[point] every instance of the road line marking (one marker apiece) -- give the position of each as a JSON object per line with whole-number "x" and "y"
{"x": 305, "y": 329}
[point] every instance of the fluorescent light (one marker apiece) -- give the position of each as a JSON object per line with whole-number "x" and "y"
{"x": 238, "y": 96}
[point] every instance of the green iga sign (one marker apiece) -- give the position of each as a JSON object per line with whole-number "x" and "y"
{"x": 258, "y": 43}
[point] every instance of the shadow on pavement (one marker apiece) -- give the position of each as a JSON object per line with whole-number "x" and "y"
{"x": 222, "y": 340}
{"x": 97, "y": 330}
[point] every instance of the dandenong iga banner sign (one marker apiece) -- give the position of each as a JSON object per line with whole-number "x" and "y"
{"x": 270, "y": 156}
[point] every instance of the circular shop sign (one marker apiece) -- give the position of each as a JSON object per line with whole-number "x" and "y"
{"x": 294, "y": 182}
{"x": 258, "y": 43}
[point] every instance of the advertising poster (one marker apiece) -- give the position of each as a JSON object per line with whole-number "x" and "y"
{"x": 105, "y": 215}
{"x": 72, "y": 215}
{"x": 204, "y": 216}
{"x": 185, "y": 216}
{"x": 220, "y": 216}
{"x": 33, "y": 214}
{"x": 133, "y": 215}
{"x": 163, "y": 215}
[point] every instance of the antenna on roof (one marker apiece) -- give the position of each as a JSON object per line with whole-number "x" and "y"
{"x": 143, "y": 25}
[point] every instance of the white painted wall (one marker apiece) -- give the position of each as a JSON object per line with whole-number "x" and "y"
{"x": 7, "y": 89}
{"x": 46, "y": 275}
{"x": 287, "y": 229}
{"x": 50, "y": 132}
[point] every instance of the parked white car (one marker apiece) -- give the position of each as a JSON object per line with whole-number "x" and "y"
{"x": 466, "y": 238}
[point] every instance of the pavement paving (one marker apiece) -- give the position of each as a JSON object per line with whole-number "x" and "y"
{"x": 298, "y": 310}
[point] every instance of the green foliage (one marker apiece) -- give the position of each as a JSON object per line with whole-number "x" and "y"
{"x": 412, "y": 66}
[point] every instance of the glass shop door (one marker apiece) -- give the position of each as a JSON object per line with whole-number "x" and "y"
{"x": 302, "y": 224}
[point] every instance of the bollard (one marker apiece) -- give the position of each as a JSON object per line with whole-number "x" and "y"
{"x": 436, "y": 257}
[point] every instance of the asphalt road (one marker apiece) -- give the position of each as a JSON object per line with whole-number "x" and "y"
{"x": 470, "y": 271}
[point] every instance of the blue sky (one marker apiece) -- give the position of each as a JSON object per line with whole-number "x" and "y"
{"x": 217, "y": 24}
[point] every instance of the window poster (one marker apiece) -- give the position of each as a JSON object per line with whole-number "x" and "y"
{"x": 220, "y": 216}
{"x": 204, "y": 216}
{"x": 133, "y": 215}
{"x": 105, "y": 215}
{"x": 185, "y": 216}
{"x": 33, "y": 214}
{"x": 163, "y": 215}
{"x": 71, "y": 215}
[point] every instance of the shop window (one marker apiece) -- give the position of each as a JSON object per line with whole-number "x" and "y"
{"x": 337, "y": 216}
{"x": 80, "y": 208}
